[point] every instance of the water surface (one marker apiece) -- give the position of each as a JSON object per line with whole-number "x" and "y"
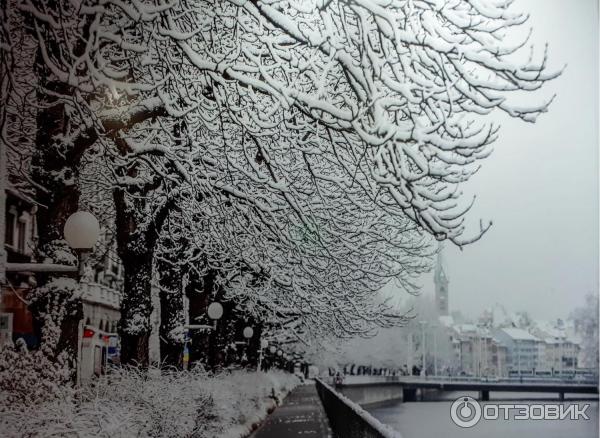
{"x": 431, "y": 419}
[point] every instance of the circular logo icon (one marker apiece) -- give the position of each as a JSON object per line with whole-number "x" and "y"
{"x": 465, "y": 412}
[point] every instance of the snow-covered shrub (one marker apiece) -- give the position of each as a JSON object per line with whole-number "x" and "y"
{"x": 29, "y": 378}
{"x": 57, "y": 300}
{"x": 132, "y": 402}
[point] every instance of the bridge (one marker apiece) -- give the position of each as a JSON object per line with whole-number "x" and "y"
{"x": 410, "y": 385}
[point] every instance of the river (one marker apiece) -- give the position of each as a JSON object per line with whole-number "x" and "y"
{"x": 431, "y": 418}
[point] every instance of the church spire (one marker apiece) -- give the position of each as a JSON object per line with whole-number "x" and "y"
{"x": 441, "y": 284}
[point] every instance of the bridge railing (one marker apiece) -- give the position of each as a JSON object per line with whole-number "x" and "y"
{"x": 348, "y": 419}
{"x": 368, "y": 380}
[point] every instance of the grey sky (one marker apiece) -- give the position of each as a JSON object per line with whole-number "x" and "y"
{"x": 540, "y": 186}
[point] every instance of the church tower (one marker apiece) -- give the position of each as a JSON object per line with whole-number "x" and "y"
{"x": 441, "y": 285}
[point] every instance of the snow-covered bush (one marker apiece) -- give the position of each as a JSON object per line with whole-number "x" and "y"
{"x": 131, "y": 402}
{"x": 28, "y": 378}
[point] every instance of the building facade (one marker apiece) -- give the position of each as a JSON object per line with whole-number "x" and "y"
{"x": 480, "y": 354}
{"x": 16, "y": 321}
{"x": 101, "y": 294}
{"x": 522, "y": 351}
{"x": 560, "y": 353}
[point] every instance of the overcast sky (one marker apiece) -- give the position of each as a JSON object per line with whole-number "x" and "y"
{"x": 540, "y": 186}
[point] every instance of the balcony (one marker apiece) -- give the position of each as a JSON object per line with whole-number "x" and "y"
{"x": 99, "y": 294}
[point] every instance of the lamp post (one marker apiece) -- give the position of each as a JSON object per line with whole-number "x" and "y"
{"x": 422, "y": 347}
{"x": 485, "y": 355}
{"x": 560, "y": 354}
{"x": 479, "y": 353}
{"x": 263, "y": 344}
{"x": 498, "y": 361}
{"x": 280, "y": 358}
{"x": 411, "y": 353}
{"x": 519, "y": 346}
{"x": 435, "y": 353}
{"x": 214, "y": 312}
{"x": 248, "y": 333}
{"x": 81, "y": 233}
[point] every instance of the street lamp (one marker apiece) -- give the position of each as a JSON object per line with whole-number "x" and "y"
{"x": 215, "y": 311}
{"x": 435, "y": 353}
{"x": 248, "y": 332}
{"x": 423, "y": 324}
{"x": 263, "y": 344}
{"x": 81, "y": 232}
{"x": 272, "y": 349}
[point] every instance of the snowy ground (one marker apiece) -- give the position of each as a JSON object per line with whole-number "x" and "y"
{"x": 132, "y": 403}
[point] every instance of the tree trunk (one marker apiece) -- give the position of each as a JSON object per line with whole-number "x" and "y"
{"x": 198, "y": 293}
{"x": 136, "y": 308}
{"x": 172, "y": 320}
{"x": 137, "y": 235}
{"x": 55, "y": 169}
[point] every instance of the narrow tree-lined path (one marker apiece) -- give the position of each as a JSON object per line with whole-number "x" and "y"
{"x": 300, "y": 415}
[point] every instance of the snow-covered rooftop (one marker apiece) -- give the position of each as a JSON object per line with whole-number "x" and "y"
{"x": 519, "y": 334}
{"x": 464, "y": 328}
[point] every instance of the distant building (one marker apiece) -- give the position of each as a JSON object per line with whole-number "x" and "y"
{"x": 440, "y": 280}
{"x": 523, "y": 351}
{"x": 478, "y": 352}
{"x": 475, "y": 351}
{"x": 560, "y": 353}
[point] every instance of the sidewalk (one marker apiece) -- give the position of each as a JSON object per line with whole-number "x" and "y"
{"x": 300, "y": 415}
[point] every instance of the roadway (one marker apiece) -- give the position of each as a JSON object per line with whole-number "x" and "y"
{"x": 300, "y": 415}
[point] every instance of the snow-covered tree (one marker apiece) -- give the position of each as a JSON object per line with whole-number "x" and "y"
{"x": 585, "y": 320}
{"x": 338, "y": 132}
{"x": 403, "y": 82}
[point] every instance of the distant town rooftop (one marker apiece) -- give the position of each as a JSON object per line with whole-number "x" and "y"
{"x": 519, "y": 334}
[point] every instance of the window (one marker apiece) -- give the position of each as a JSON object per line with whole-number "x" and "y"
{"x": 10, "y": 229}
{"x": 114, "y": 267}
{"x": 22, "y": 236}
{"x": 5, "y": 322}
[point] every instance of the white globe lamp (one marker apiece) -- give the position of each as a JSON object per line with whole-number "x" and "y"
{"x": 82, "y": 230}
{"x": 248, "y": 332}
{"x": 215, "y": 311}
